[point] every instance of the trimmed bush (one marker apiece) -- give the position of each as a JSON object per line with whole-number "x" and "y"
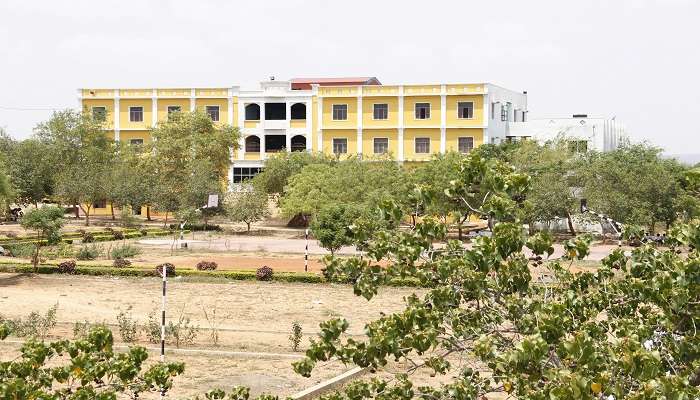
{"x": 144, "y": 232}
{"x": 206, "y": 266}
{"x": 67, "y": 267}
{"x": 89, "y": 252}
{"x": 169, "y": 269}
{"x": 88, "y": 237}
{"x": 125, "y": 251}
{"x": 118, "y": 235}
{"x": 197, "y": 227}
{"x": 121, "y": 263}
{"x": 264, "y": 273}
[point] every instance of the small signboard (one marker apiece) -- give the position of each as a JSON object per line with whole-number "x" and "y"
{"x": 213, "y": 201}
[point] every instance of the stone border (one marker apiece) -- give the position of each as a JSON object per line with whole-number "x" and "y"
{"x": 328, "y": 385}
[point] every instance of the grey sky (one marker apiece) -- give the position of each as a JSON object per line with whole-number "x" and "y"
{"x": 636, "y": 59}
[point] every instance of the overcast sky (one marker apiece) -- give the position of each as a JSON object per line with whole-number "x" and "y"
{"x": 638, "y": 60}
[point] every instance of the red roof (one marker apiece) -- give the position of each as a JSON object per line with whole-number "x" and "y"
{"x": 305, "y": 83}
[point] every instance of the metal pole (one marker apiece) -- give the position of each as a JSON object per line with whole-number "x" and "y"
{"x": 162, "y": 322}
{"x": 306, "y": 250}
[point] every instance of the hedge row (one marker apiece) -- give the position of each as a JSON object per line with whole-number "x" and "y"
{"x": 298, "y": 277}
{"x": 77, "y": 235}
{"x": 96, "y": 238}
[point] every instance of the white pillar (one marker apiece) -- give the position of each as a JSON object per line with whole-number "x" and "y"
{"x": 193, "y": 94}
{"x": 241, "y": 120}
{"x": 443, "y": 118}
{"x": 400, "y": 124}
{"x": 287, "y": 134}
{"x": 320, "y": 124}
{"x": 309, "y": 118}
{"x": 154, "y": 108}
{"x": 359, "y": 121}
{"x": 116, "y": 115}
{"x": 262, "y": 145}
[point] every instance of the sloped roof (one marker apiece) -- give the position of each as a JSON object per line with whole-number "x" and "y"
{"x": 305, "y": 83}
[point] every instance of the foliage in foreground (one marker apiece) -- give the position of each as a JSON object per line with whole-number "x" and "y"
{"x": 627, "y": 330}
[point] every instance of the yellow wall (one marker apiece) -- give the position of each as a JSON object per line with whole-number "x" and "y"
{"x": 125, "y": 136}
{"x": 124, "y": 105}
{"x": 201, "y": 105}
{"x": 328, "y": 136}
{"x": 297, "y": 123}
{"x": 107, "y": 103}
{"x": 251, "y": 156}
{"x": 368, "y": 136}
{"x": 451, "y": 117}
{"x": 314, "y": 123}
{"x": 250, "y": 124}
{"x": 163, "y": 105}
{"x": 409, "y": 111}
{"x": 328, "y": 121}
{"x": 409, "y": 146}
{"x": 453, "y": 135}
{"x": 368, "y": 120}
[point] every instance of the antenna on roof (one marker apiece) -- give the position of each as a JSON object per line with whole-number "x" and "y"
{"x": 272, "y": 77}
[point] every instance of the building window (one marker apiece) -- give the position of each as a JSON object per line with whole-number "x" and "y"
{"x": 422, "y": 145}
{"x": 381, "y": 111}
{"x": 504, "y": 113}
{"x": 465, "y": 110}
{"x": 252, "y": 112}
{"x": 340, "y": 146}
{"x": 213, "y": 113}
{"x": 243, "y": 174}
{"x": 252, "y": 144}
{"x": 340, "y": 112}
{"x": 524, "y": 114}
{"x": 136, "y": 114}
{"x": 99, "y": 114}
{"x": 465, "y": 144}
{"x": 136, "y": 142}
{"x": 298, "y": 111}
{"x": 381, "y": 145}
{"x": 422, "y": 110}
{"x": 493, "y": 110}
{"x": 173, "y": 109}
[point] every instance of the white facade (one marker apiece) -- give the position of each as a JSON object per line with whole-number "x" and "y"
{"x": 600, "y": 133}
{"x": 503, "y": 109}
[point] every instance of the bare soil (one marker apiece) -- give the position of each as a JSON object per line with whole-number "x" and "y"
{"x": 254, "y": 317}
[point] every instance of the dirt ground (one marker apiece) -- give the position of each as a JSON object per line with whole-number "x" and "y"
{"x": 254, "y": 317}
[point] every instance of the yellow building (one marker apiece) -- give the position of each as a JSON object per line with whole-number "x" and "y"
{"x": 343, "y": 116}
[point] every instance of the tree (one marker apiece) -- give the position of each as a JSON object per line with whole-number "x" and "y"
{"x": 331, "y": 226}
{"x": 83, "y": 369}
{"x": 352, "y": 182}
{"x": 281, "y": 166}
{"x": 246, "y": 205}
{"x": 625, "y": 330}
{"x": 46, "y": 222}
{"x": 82, "y": 156}
{"x": 632, "y": 184}
{"x": 31, "y": 169}
{"x": 131, "y": 181}
{"x": 190, "y": 155}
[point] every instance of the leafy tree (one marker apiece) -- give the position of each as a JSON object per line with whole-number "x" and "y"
{"x": 83, "y": 369}
{"x": 131, "y": 180}
{"x": 82, "y": 156}
{"x": 31, "y": 169}
{"x": 352, "y": 182}
{"x": 46, "y": 222}
{"x": 246, "y": 205}
{"x": 632, "y": 184}
{"x": 626, "y": 330}
{"x": 190, "y": 155}
{"x": 331, "y": 226}
{"x": 281, "y": 166}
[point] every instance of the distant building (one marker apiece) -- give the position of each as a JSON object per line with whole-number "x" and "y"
{"x": 586, "y": 133}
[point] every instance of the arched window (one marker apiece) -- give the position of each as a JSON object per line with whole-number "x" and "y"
{"x": 298, "y": 111}
{"x": 298, "y": 143}
{"x": 252, "y": 144}
{"x": 252, "y": 112}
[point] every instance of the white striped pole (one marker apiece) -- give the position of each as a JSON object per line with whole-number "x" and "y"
{"x": 306, "y": 250}
{"x": 162, "y": 322}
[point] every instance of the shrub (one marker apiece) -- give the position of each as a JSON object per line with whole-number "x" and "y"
{"x": 11, "y": 235}
{"x": 206, "y": 266}
{"x": 125, "y": 251}
{"x": 67, "y": 267}
{"x": 169, "y": 269}
{"x": 264, "y": 273}
{"x": 87, "y": 237}
{"x": 34, "y": 325}
{"x": 22, "y": 250}
{"x": 197, "y": 227}
{"x": 152, "y": 327}
{"x": 295, "y": 337}
{"x": 89, "y": 252}
{"x": 118, "y": 235}
{"x": 144, "y": 232}
{"x": 128, "y": 327}
{"x": 81, "y": 330}
{"x": 121, "y": 263}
